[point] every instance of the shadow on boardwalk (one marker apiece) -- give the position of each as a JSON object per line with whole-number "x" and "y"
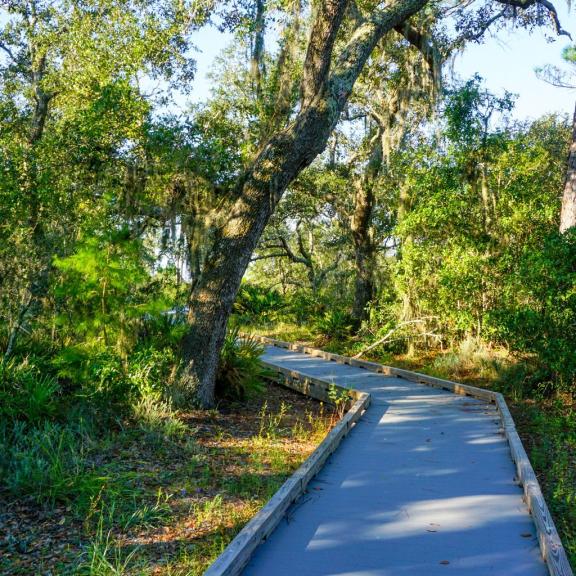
{"x": 423, "y": 485}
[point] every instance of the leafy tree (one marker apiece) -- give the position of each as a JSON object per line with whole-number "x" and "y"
{"x": 71, "y": 106}
{"x": 342, "y": 38}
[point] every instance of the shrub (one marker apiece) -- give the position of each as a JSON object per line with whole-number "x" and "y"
{"x": 157, "y": 419}
{"x": 25, "y": 393}
{"x": 541, "y": 314}
{"x": 255, "y": 304}
{"x": 164, "y": 330}
{"x": 150, "y": 371}
{"x": 334, "y": 324}
{"x": 240, "y": 372}
{"x": 96, "y": 376}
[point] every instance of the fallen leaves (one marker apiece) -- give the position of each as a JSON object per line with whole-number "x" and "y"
{"x": 223, "y": 455}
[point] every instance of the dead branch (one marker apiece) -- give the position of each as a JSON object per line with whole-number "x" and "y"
{"x": 386, "y": 338}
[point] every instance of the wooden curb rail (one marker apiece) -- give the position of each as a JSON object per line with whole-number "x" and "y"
{"x": 238, "y": 552}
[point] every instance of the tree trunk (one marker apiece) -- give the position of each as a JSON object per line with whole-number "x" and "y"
{"x": 568, "y": 211}
{"x": 325, "y": 92}
{"x": 212, "y": 297}
{"x": 363, "y": 251}
{"x": 256, "y": 62}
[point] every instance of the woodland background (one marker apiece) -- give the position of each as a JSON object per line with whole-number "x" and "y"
{"x": 339, "y": 187}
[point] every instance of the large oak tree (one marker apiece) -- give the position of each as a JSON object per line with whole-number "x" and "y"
{"x": 343, "y": 35}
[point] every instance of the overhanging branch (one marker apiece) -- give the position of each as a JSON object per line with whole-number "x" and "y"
{"x": 553, "y": 13}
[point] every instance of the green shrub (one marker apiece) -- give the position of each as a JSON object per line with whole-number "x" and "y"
{"x": 541, "y": 314}
{"x": 150, "y": 370}
{"x": 164, "y": 330}
{"x": 255, "y": 304}
{"x": 240, "y": 372}
{"x": 25, "y": 393}
{"x": 304, "y": 306}
{"x": 96, "y": 376}
{"x": 157, "y": 419}
{"x": 334, "y": 324}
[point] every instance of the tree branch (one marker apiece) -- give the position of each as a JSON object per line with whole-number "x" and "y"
{"x": 8, "y": 51}
{"x": 354, "y": 55}
{"x": 282, "y": 244}
{"x": 327, "y": 22}
{"x": 268, "y": 256}
{"x": 524, "y": 4}
{"x": 422, "y": 43}
{"x": 387, "y": 336}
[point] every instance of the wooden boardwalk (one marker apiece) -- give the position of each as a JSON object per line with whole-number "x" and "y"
{"x": 423, "y": 485}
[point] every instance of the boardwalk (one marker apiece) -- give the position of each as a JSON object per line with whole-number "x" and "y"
{"x": 423, "y": 485}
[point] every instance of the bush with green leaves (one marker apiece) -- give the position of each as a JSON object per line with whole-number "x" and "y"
{"x": 537, "y": 314}
{"x": 335, "y": 324}
{"x": 240, "y": 372}
{"x": 95, "y": 377}
{"x": 26, "y": 393}
{"x": 255, "y": 304}
{"x": 106, "y": 291}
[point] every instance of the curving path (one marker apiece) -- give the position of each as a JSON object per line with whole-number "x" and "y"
{"x": 423, "y": 485}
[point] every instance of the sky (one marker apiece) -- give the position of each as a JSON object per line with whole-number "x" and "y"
{"x": 505, "y": 60}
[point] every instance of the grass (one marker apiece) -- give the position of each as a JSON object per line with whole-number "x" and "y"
{"x": 162, "y": 494}
{"x": 284, "y": 331}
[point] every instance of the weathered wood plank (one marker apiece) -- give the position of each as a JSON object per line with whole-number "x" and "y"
{"x": 550, "y": 543}
{"x": 457, "y": 388}
{"x": 238, "y": 552}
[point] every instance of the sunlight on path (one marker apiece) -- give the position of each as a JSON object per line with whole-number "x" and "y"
{"x": 423, "y": 485}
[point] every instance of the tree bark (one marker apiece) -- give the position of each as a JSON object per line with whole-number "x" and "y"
{"x": 324, "y": 95}
{"x": 258, "y": 47}
{"x": 361, "y": 228}
{"x": 568, "y": 211}
{"x": 364, "y": 282}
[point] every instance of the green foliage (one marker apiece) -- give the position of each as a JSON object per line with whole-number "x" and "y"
{"x": 106, "y": 290}
{"x": 340, "y": 399}
{"x": 468, "y": 113}
{"x": 334, "y": 324}
{"x": 553, "y": 428}
{"x": 96, "y": 376}
{"x": 48, "y": 463}
{"x": 240, "y": 372}
{"x": 158, "y": 421}
{"x": 255, "y": 304}
{"x": 541, "y": 313}
{"x": 103, "y": 557}
{"x": 26, "y": 393}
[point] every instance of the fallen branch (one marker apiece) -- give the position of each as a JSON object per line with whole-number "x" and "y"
{"x": 388, "y": 334}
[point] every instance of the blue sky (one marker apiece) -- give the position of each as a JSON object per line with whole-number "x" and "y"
{"x": 506, "y": 61}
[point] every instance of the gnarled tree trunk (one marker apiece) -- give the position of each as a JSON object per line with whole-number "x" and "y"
{"x": 364, "y": 249}
{"x": 324, "y": 95}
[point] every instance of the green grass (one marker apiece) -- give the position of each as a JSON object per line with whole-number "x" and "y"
{"x": 287, "y": 331}
{"x": 162, "y": 492}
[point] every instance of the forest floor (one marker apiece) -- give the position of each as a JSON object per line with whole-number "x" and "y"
{"x": 546, "y": 424}
{"x": 169, "y": 507}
